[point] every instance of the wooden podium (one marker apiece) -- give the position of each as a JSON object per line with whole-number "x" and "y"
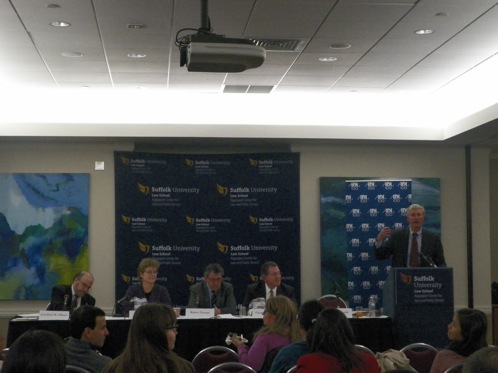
{"x": 420, "y": 301}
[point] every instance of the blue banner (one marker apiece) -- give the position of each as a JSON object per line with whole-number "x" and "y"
{"x": 186, "y": 211}
{"x": 373, "y": 205}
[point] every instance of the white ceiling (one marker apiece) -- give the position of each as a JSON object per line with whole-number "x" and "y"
{"x": 390, "y": 84}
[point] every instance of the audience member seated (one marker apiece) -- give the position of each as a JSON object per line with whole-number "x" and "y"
{"x": 269, "y": 285}
{"x": 467, "y": 334}
{"x": 280, "y": 328}
{"x": 213, "y": 292}
{"x": 70, "y": 297}
{"x": 288, "y": 355}
{"x": 147, "y": 288}
{"x": 484, "y": 360}
{"x": 150, "y": 344}
{"x": 88, "y": 332}
{"x": 331, "y": 346}
{"x": 36, "y": 351}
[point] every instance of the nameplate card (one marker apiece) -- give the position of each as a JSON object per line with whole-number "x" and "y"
{"x": 347, "y": 311}
{"x": 54, "y": 315}
{"x": 199, "y": 313}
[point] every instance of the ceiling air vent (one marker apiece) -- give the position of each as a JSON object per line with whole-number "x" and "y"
{"x": 248, "y": 89}
{"x": 290, "y": 45}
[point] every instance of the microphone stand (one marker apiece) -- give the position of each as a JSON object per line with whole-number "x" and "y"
{"x": 428, "y": 260}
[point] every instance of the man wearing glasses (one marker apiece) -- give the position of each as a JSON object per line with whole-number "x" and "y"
{"x": 70, "y": 297}
{"x": 269, "y": 286}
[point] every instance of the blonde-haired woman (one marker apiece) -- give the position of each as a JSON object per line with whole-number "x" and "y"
{"x": 147, "y": 288}
{"x": 280, "y": 328}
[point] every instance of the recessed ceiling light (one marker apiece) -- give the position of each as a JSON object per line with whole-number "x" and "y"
{"x": 135, "y": 25}
{"x": 424, "y": 32}
{"x": 327, "y": 59}
{"x": 52, "y": 6}
{"x": 72, "y": 54}
{"x": 60, "y": 24}
{"x": 137, "y": 55}
{"x": 340, "y": 46}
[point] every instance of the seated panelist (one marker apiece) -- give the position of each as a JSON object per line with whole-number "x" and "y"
{"x": 70, "y": 297}
{"x": 147, "y": 288}
{"x": 269, "y": 286}
{"x": 213, "y": 292}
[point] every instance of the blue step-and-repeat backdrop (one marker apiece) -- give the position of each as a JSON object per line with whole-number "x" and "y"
{"x": 186, "y": 211}
{"x": 373, "y": 205}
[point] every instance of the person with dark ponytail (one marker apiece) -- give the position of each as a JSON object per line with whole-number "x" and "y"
{"x": 467, "y": 334}
{"x": 331, "y": 347}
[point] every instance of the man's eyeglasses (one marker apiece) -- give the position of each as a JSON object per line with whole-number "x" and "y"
{"x": 174, "y": 327}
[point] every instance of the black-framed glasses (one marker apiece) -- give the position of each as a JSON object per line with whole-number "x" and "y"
{"x": 174, "y": 327}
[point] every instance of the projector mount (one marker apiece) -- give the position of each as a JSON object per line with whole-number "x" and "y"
{"x": 206, "y": 51}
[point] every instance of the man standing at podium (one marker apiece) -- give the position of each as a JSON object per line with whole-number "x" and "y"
{"x": 412, "y": 246}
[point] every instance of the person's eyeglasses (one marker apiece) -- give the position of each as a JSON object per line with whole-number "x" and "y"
{"x": 151, "y": 272}
{"x": 174, "y": 327}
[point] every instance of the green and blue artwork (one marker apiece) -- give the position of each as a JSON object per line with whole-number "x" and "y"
{"x": 43, "y": 232}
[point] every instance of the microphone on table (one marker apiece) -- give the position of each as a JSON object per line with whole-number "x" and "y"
{"x": 119, "y": 306}
{"x": 124, "y": 299}
{"x": 66, "y": 304}
{"x": 428, "y": 260}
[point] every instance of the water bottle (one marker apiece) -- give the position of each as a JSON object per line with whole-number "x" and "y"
{"x": 371, "y": 306}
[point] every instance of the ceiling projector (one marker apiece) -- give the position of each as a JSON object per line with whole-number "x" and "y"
{"x": 218, "y": 54}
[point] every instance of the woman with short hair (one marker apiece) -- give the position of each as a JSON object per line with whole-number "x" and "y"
{"x": 147, "y": 271}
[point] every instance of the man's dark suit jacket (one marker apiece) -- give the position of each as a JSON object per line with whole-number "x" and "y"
{"x": 225, "y": 299}
{"x": 397, "y": 247}
{"x": 57, "y": 298}
{"x": 258, "y": 290}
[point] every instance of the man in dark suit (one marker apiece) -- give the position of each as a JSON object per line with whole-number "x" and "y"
{"x": 412, "y": 246}
{"x": 213, "y": 292}
{"x": 70, "y": 297}
{"x": 270, "y": 285}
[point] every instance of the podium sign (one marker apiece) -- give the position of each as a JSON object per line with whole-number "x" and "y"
{"x": 420, "y": 301}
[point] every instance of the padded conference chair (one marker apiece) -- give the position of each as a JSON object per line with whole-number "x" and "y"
{"x": 270, "y": 356}
{"x": 457, "y": 368}
{"x": 364, "y": 349}
{"x": 212, "y": 356}
{"x": 3, "y": 355}
{"x": 332, "y": 301}
{"x": 75, "y": 369}
{"x": 233, "y": 367}
{"x": 292, "y": 370}
{"x": 421, "y": 356}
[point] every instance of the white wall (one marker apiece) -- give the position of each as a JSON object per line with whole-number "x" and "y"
{"x": 402, "y": 161}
